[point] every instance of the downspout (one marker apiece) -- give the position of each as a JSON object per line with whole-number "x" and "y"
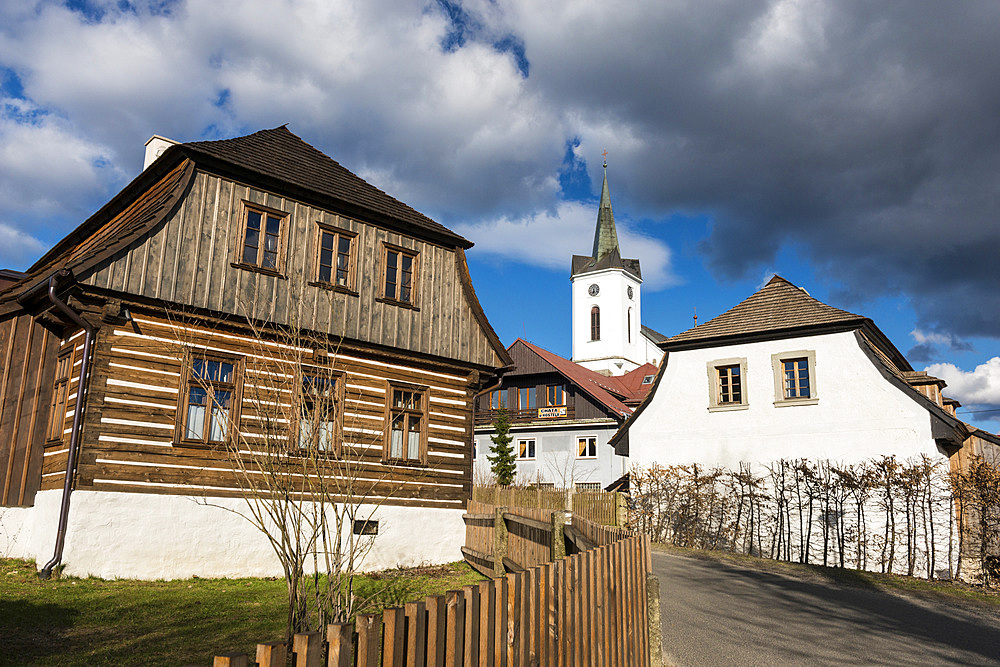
{"x": 74, "y": 437}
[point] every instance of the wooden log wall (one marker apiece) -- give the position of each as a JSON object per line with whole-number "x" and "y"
{"x": 27, "y": 361}
{"x": 130, "y": 423}
{"x": 586, "y": 609}
{"x": 189, "y": 261}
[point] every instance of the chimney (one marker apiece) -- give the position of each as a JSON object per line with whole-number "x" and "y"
{"x": 154, "y": 149}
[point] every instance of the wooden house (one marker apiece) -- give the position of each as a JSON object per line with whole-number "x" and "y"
{"x": 134, "y": 351}
{"x": 562, "y": 416}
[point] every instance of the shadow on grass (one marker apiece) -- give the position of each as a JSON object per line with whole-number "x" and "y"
{"x": 29, "y": 630}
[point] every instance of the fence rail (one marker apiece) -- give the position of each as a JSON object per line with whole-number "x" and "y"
{"x": 601, "y": 507}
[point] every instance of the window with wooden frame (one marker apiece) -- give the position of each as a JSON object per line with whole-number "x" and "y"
{"x": 727, "y": 384}
{"x": 208, "y": 399}
{"x": 336, "y": 262}
{"x": 555, "y": 395}
{"x": 526, "y": 448}
{"x": 498, "y": 399}
{"x": 320, "y": 419}
{"x": 586, "y": 447}
{"x": 60, "y": 396}
{"x": 794, "y": 378}
{"x": 526, "y": 398}
{"x": 261, "y": 245}
{"x": 406, "y": 424}
{"x": 595, "y": 323}
{"x": 399, "y": 276}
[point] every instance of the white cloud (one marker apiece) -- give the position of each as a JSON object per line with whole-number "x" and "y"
{"x": 549, "y": 238}
{"x": 18, "y": 249}
{"x": 978, "y": 387}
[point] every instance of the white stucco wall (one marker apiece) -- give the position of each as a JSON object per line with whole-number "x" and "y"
{"x": 149, "y": 536}
{"x": 556, "y": 460}
{"x": 859, "y": 414}
{"x": 613, "y": 300}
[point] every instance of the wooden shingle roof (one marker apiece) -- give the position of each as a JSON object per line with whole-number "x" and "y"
{"x": 779, "y": 306}
{"x": 280, "y": 155}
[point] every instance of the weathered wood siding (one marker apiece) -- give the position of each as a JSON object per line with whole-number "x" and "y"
{"x": 129, "y": 431}
{"x": 27, "y": 359}
{"x": 188, "y": 261}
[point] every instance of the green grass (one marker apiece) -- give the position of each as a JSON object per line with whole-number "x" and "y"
{"x": 944, "y": 592}
{"x": 70, "y": 621}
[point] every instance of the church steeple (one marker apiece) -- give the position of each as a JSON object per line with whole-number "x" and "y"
{"x": 605, "y": 236}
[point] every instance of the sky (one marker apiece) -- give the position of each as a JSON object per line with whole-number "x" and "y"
{"x": 851, "y": 147}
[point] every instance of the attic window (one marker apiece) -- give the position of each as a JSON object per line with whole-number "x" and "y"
{"x": 335, "y": 265}
{"x": 262, "y": 239}
{"x": 648, "y": 379}
{"x": 399, "y": 282}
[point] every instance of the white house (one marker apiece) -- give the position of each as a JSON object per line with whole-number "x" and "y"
{"x": 782, "y": 375}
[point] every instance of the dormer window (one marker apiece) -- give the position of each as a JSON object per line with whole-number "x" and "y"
{"x": 648, "y": 379}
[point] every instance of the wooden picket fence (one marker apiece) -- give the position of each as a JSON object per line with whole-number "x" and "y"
{"x": 602, "y": 507}
{"x": 564, "y": 591}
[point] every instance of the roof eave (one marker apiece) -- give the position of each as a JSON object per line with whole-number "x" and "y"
{"x": 670, "y": 345}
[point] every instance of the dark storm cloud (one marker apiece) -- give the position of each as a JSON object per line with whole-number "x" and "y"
{"x": 868, "y": 134}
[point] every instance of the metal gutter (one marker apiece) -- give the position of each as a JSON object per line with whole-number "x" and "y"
{"x": 74, "y": 438}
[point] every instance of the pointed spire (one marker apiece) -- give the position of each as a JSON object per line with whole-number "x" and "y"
{"x": 605, "y": 236}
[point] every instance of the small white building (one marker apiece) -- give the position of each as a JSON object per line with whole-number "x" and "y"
{"x": 782, "y": 375}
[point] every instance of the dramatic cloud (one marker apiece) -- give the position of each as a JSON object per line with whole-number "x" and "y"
{"x": 549, "y": 239}
{"x": 978, "y": 387}
{"x": 932, "y": 346}
{"x": 865, "y": 135}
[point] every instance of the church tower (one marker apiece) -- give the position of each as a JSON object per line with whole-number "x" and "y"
{"x": 607, "y": 335}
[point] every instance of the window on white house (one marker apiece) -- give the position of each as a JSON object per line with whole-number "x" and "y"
{"x": 794, "y": 378}
{"x": 586, "y": 447}
{"x": 727, "y": 387}
{"x": 526, "y": 448}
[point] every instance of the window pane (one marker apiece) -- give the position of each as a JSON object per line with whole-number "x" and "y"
{"x": 391, "y": 259}
{"x": 253, "y": 220}
{"x": 396, "y": 440}
{"x": 249, "y": 255}
{"x": 271, "y": 242}
{"x": 324, "y": 273}
{"x": 326, "y": 259}
{"x": 406, "y": 262}
{"x": 195, "y": 425}
{"x": 305, "y": 432}
{"x": 273, "y": 226}
{"x": 413, "y": 439}
{"x": 326, "y": 241}
{"x": 270, "y": 260}
{"x": 324, "y": 440}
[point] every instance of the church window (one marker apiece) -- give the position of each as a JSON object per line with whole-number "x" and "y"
{"x": 399, "y": 279}
{"x": 727, "y": 384}
{"x": 628, "y": 325}
{"x": 595, "y": 323}
{"x": 794, "y": 378}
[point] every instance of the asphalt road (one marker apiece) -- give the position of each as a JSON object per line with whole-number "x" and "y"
{"x": 722, "y": 614}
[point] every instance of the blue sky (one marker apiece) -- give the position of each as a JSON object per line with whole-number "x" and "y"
{"x": 851, "y": 147}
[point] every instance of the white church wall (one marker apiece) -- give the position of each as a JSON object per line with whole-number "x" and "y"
{"x": 149, "y": 536}
{"x": 858, "y": 414}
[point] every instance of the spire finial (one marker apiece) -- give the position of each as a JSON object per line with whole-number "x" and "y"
{"x": 605, "y": 154}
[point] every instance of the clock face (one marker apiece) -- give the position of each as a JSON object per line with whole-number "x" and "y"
{"x": 630, "y": 292}
{"x": 594, "y": 290}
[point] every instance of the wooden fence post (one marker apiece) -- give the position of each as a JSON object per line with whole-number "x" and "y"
{"x": 558, "y": 538}
{"x": 271, "y": 654}
{"x": 340, "y": 636}
{"x": 307, "y": 647}
{"x": 231, "y": 660}
{"x": 653, "y": 618}
{"x": 369, "y": 640}
{"x": 499, "y": 541}
{"x": 621, "y": 510}
{"x": 416, "y": 634}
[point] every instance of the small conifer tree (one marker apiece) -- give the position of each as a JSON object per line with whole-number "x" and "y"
{"x": 502, "y": 461}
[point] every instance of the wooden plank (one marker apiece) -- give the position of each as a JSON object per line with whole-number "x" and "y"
{"x": 307, "y": 648}
{"x": 272, "y": 654}
{"x": 416, "y": 634}
{"x": 340, "y": 637}
{"x": 231, "y": 660}
{"x": 487, "y": 622}
{"x": 437, "y": 611}
{"x": 394, "y": 636}
{"x": 455, "y": 630}
{"x": 369, "y": 640}
{"x": 472, "y": 625}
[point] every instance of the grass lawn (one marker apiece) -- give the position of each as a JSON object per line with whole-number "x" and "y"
{"x": 72, "y": 621}
{"x": 944, "y": 592}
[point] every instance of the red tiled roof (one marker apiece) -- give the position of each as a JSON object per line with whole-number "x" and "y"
{"x": 612, "y": 392}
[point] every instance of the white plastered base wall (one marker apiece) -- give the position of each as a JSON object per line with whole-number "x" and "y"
{"x": 148, "y": 536}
